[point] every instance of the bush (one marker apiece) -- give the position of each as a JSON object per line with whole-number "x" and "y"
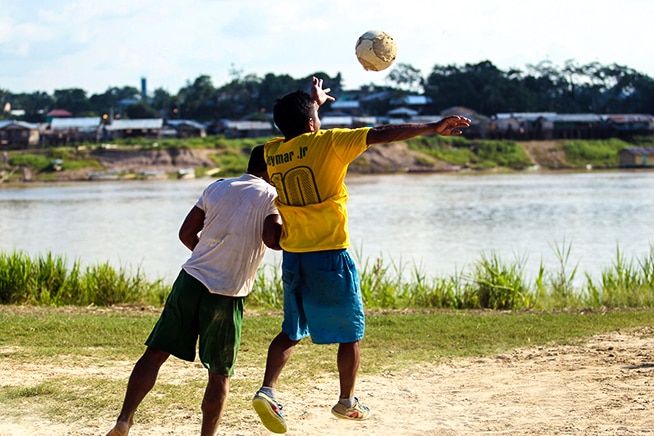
{"x": 599, "y": 154}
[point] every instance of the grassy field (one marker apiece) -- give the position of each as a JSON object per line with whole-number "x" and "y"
{"x": 80, "y": 356}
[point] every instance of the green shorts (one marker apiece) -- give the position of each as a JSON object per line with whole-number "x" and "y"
{"x": 192, "y": 312}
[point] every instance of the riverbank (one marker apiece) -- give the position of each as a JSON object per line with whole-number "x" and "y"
{"x": 107, "y": 163}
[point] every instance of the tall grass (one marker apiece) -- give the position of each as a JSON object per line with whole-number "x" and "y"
{"x": 50, "y": 280}
{"x": 600, "y": 153}
{"x": 490, "y": 283}
{"x": 624, "y": 284}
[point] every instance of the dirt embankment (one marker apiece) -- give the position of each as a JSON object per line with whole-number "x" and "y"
{"x": 380, "y": 159}
{"x": 150, "y": 160}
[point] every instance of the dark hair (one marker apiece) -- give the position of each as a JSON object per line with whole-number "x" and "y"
{"x": 257, "y": 162}
{"x": 292, "y": 112}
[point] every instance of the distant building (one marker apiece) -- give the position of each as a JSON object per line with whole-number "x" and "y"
{"x": 147, "y": 127}
{"x": 629, "y": 125}
{"x": 637, "y": 157}
{"x": 243, "y": 128}
{"x": 348, "y": 107}
{"x": 18, "y": 134}
{"x": 72, "y": 130}
{"x": 185, "y": 129}
{"x": 57, "y": 113}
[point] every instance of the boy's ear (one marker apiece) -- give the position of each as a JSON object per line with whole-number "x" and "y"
{"x": 311, "y": 126}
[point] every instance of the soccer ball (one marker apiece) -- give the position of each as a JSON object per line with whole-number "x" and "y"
{"x": 375, "y": 50}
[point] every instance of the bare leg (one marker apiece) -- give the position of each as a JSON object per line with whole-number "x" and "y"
{"x": 349, "y": 355}
{"x": 279, "y": 351}
{"x": 213, "y": 403}
{"x": 143, "y": 377}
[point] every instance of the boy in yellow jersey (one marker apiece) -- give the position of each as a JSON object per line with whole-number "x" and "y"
{"x": 322, "y": 296}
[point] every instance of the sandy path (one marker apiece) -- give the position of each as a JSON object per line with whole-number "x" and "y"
{"x": 602, "y": 387}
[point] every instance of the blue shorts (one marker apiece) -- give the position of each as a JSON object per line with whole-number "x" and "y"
{"x": 322, "y": 297}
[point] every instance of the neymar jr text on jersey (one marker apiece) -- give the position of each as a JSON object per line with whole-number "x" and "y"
{"x": 281, "y": 158}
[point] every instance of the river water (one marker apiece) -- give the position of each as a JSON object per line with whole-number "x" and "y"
{"x": 438, "y": 224}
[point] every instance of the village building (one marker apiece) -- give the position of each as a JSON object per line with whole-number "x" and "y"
{"x": 146, "y": 127}
{"x": 637, "y": 157}
{"x": 73, "y": 130}
{"x": 18, "y": 134}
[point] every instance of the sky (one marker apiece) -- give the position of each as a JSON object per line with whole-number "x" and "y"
{"x": 47, "y": 45}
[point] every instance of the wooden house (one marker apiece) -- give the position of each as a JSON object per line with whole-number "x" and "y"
{"x": 637, "y": 157}
{"x": 187, "y": 128}
{"x": 629, "y": 125}
{"x": 243, "y": 128}
{"x": 146, "y": 127}
{"x": 18, "y": 134}
{"x": 57, "y": 113}
{"x": 72, "y": 130}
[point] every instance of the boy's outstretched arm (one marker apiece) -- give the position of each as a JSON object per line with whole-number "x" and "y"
{"x": 449, "y": 126}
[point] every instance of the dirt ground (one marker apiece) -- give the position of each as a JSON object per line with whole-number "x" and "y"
{"x": 605, "y": 386}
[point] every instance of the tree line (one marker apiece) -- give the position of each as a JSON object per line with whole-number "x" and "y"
{"x": 482, "y": 87}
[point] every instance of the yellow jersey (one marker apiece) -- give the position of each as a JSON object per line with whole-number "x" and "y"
{"x": 308, "y": 172}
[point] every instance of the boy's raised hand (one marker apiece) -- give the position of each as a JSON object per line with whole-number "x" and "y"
{"x": 320, "y": 95}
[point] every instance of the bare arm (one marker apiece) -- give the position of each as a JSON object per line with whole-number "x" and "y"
{"x": 449, "y": 126}
{"x": 191, "y": 227}
{"x": 272, "y": 231}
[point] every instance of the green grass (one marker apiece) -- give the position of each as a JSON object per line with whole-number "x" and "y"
{"x": 84, "y": 355}
{"x": 600, "y": 153}
{"x": 489, "y": 283}
{"x": 49, "y": 279}
{"x": 476, "y": 154}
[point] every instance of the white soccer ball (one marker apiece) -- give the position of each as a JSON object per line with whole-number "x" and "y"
{"x": 376, "y": 50}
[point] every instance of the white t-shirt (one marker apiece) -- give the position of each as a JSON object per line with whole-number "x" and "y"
{"x": 230, "y": 248}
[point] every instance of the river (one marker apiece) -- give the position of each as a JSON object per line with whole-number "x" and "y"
{"x": 438, "y": 224}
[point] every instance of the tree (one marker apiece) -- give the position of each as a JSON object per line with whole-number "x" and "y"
{"x": 73, "y": 100}
{"x": 197, "y": 99}
{"x": 140, "y": 110}
{"x": 35, "y": 105}
{"x": 482, "y": 87}
{"x": 407, "y": 77}
{"x": 107, "y": 104}
{"x": 166, "y": 104}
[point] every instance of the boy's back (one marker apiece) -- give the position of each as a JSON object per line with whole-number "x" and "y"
{"x": 308, "y": 172}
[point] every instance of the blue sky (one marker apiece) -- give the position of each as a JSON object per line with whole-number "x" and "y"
{"x": 93, "y": 45}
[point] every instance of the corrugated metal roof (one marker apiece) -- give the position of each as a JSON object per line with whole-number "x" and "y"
{"x": 25, "y": 125}
{"x": 416, "y": 100}
{"x": 403, "y": 111}
{"x": 59, "y": 113}
{"x": 82, "y": 123}
{"x": 630, "y": 118}
{"x": 525, "y": 115}
{"x": 176, "y": 123}
{"x": 336, "y": 121}
{"x": 345, "y": 105}
{"x": 426, "y": 118}
{"x": 146, "y": 123}
{"x": 580, "y": 118}
{"x": 366, "y": 120}
{"x": 247, "y": 125}
{"x": 638, "y": 150}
